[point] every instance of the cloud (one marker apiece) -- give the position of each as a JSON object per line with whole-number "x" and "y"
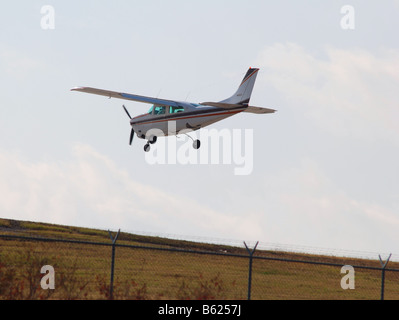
{"x": 18, "y": 65}
{"x": 305, "y": 207}
{"x": 349, "y": 93}
{"x": 90, "y": 190}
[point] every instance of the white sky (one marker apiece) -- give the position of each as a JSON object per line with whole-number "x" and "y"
{"x": 325, "y": 165}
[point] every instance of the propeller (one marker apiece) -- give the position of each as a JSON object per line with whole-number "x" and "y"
{"x": 131, "y": 132}
{"x": 131, "y": 136}
{"x": 127, "y": 112}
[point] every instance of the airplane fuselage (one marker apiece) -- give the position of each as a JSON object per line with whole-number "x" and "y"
{"x": 189, "y": 116}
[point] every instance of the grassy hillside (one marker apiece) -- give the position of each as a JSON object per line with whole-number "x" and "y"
{"x": 83, "y": 270}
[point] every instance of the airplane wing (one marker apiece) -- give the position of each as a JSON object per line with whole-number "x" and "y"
{"x": 126, "y": 96}
{"x": 250, "y": 109}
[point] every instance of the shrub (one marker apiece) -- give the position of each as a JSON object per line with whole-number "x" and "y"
{"x": 202, "y": 289}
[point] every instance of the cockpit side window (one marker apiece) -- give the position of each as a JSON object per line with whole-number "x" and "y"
{"x": 151, "y": 110}
{"x": 175, "y": 109}
{"x": 159, "y": 110}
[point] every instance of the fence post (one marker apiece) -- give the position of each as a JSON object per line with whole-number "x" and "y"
{"x": 251, "y": 253}
{"x": 111, "y": 286}
{"x": 383, "y": 265}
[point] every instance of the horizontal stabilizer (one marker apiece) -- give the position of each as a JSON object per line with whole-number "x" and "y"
{"x": 259, "y": 110}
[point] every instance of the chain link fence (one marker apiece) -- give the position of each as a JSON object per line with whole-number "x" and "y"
{"x": 114, "y": 270}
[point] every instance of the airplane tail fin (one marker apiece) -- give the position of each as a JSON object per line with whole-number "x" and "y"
{"x": 243, "y": 94}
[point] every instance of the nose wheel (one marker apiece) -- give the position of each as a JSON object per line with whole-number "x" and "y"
{"x": 152, "y": 140}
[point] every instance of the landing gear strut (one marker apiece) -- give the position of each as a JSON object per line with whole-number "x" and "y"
{"x": 196, "y": 143}
{"x": 152, "y": 140}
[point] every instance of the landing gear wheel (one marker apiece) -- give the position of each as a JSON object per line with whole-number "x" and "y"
{"x": 197, "y": 144}
{"x": 147, "y": 147}
{"x": 153, "y": 139}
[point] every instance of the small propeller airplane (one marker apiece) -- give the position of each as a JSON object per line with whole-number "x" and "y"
{"x": 186, "y": 115}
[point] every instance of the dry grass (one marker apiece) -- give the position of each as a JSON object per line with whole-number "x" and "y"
{"x": 82, "y": 271}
